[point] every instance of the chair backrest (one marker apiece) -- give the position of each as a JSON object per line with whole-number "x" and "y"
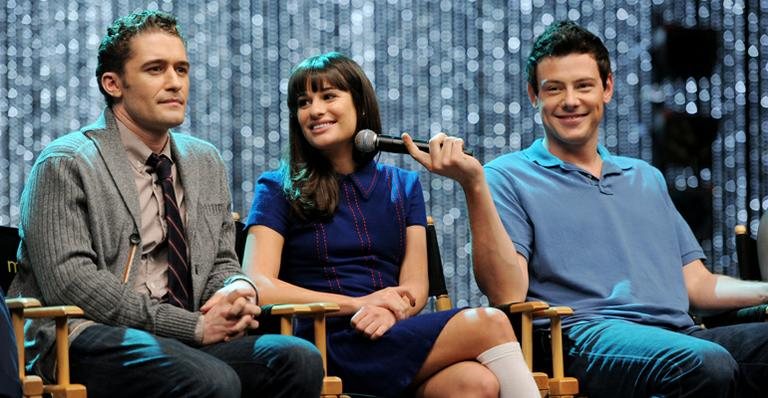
{"x": 437, "y": 288}
{"x": 747, "y": 254}
{"x": 762, "y": 246}
{"x": 9, "y": 245}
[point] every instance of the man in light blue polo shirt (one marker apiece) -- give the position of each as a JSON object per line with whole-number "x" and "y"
{"x": 580, "y": 227}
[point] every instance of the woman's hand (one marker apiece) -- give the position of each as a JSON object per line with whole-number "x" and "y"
{"x": 398, "y": 300}
{"x": 446, "y": 157}
{"x": 373, "y": 321}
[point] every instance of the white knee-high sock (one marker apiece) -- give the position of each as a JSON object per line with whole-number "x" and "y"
{"x": 507, "y": 363}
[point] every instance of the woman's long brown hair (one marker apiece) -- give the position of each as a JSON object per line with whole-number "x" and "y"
{"x": 309, "y": 181}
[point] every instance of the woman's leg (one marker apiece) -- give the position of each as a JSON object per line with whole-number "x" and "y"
{"x": 468, "y": 379}
{"x": 481, "y": 334}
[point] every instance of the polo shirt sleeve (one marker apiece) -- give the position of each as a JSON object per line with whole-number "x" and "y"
{"x": 270, "y": 207}
{"x": 513, "y": 216}
{"x": 690, "y": 249}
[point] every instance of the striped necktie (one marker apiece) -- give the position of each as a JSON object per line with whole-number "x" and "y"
{"x": 179, "y": 275}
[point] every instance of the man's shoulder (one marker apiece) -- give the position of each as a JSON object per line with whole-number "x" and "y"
{"x": 72, "y": 144}
{"x": 508, "y": 162}
{"x": 191, "y": 143}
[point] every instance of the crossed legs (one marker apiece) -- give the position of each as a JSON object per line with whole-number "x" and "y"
{"x": 452, "y": 369}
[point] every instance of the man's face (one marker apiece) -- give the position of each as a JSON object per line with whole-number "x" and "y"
{"x": 152, "y": 92}
{"x": 571, "y": 99}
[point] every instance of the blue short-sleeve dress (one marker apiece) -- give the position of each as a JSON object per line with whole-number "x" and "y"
{"x": 356, "y": 252}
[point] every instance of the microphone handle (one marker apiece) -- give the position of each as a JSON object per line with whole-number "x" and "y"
{"x": 396, "y": 145}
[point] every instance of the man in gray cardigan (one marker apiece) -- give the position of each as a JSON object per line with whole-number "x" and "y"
{"x": 95, "y": 234}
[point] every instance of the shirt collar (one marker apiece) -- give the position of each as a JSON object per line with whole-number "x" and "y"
{"x": 365, "y": 178}
{"x": 138, "y": 152}
{"x": 539, "y": 154}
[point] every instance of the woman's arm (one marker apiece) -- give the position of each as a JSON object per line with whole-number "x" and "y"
{"x": 261, "y": 262}
{"x": 413, "y": 271}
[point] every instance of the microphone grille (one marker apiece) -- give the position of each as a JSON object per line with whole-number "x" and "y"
{"x": 365, "y": 141}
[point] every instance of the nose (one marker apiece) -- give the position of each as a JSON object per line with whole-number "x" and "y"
{"x": 316, "y": 109}
{"x": 174, "y": 81}
{"x": 570, "y": 100}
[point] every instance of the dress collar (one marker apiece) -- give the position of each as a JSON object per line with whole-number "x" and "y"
{"x": 365, "y": 178}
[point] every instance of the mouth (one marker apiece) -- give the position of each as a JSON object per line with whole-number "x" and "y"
{"x": 172, "y": 101}
{"x": 572, "y": 118}
{"x": 321, "y": 126}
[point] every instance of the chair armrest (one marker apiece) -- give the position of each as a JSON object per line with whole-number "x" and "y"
{"x": 332, "y": 386}
{"x": 31, "y": 308}
{"x": 21, "y": 303}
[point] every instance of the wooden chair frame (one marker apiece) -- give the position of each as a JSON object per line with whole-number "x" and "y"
{"x": 32, "y": 386}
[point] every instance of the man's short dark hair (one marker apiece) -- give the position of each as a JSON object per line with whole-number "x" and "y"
{"x": 563, "y": 38}
{"x": 115, "y": 48}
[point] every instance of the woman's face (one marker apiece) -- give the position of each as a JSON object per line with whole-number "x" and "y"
{"x": 328, "y": 119}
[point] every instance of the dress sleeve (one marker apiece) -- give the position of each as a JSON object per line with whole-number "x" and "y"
{"x": 416, "y": 213}
{"x": 270, "y": 207}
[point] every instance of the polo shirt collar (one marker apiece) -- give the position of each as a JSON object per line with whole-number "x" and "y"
{"x": 539, "y": 154}
{"x": 365, "y": 178}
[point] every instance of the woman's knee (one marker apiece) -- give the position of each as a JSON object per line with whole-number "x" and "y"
{"x": 489, "y": 324}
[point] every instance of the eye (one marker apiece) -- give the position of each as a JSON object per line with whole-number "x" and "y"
{"x": 155, "y": 69}
{"x": 302, "y": 102}
{"x": 182, "y": 70}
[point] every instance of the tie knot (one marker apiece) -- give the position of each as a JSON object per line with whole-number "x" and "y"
{"x": 160, "y": 165}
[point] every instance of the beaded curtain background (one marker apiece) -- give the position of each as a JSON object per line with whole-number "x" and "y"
{"x": 453, "y": 66}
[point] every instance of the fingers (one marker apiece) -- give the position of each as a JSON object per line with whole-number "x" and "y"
{"x": 419, "y": 155}
{"x": 405, "y": 293}
{"x": 211, "y": 302}
{"x": 373, "y": 321}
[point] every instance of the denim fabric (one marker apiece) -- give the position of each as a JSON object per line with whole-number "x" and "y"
{"x": 9, "y": 365}
{"x": 616, "y": 358}
{"x": 123, "y": 362}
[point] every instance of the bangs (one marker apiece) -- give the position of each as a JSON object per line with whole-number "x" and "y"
{"x": 314, "y": 76}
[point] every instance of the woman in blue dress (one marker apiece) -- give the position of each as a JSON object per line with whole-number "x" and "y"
{"x": 334, "y": 225}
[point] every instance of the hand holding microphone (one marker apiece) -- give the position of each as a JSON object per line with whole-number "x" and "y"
{"x": 448, "y": 158}
{"x": 368, "y": 141}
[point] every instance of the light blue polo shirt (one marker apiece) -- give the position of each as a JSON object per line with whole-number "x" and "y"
{"x": 610, "y": 248}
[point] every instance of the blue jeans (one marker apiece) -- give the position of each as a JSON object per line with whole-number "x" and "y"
{"x": 123, "y": 362}
{"x": 10, "y": 385}
{"x": 615, "y": 358}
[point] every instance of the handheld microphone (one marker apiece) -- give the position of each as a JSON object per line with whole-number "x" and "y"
{"x": 368, "y": 141}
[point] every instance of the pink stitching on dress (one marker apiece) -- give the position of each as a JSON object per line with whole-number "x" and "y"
{"x": 359, "y": 234}
{"x": 326, "y": 259}
{"x": 319, "y": 255}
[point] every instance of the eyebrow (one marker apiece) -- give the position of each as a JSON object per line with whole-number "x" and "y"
{"x": 165, "y": 62}
{"x": 580, "y": 80}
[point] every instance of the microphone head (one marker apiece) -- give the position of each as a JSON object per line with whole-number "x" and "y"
{"x": 365, "y": 141}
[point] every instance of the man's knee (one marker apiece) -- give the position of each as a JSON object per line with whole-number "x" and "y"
{"x": 295, "y": 360}
{"x": 708, "y": 370}
{"x": 224, "y": 382}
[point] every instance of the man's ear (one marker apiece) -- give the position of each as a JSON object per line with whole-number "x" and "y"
{"x": 112, "y": 84}
{"x": 532, "y": 96}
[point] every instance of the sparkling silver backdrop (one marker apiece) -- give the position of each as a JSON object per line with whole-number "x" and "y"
{"x": 453, "y": 66}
